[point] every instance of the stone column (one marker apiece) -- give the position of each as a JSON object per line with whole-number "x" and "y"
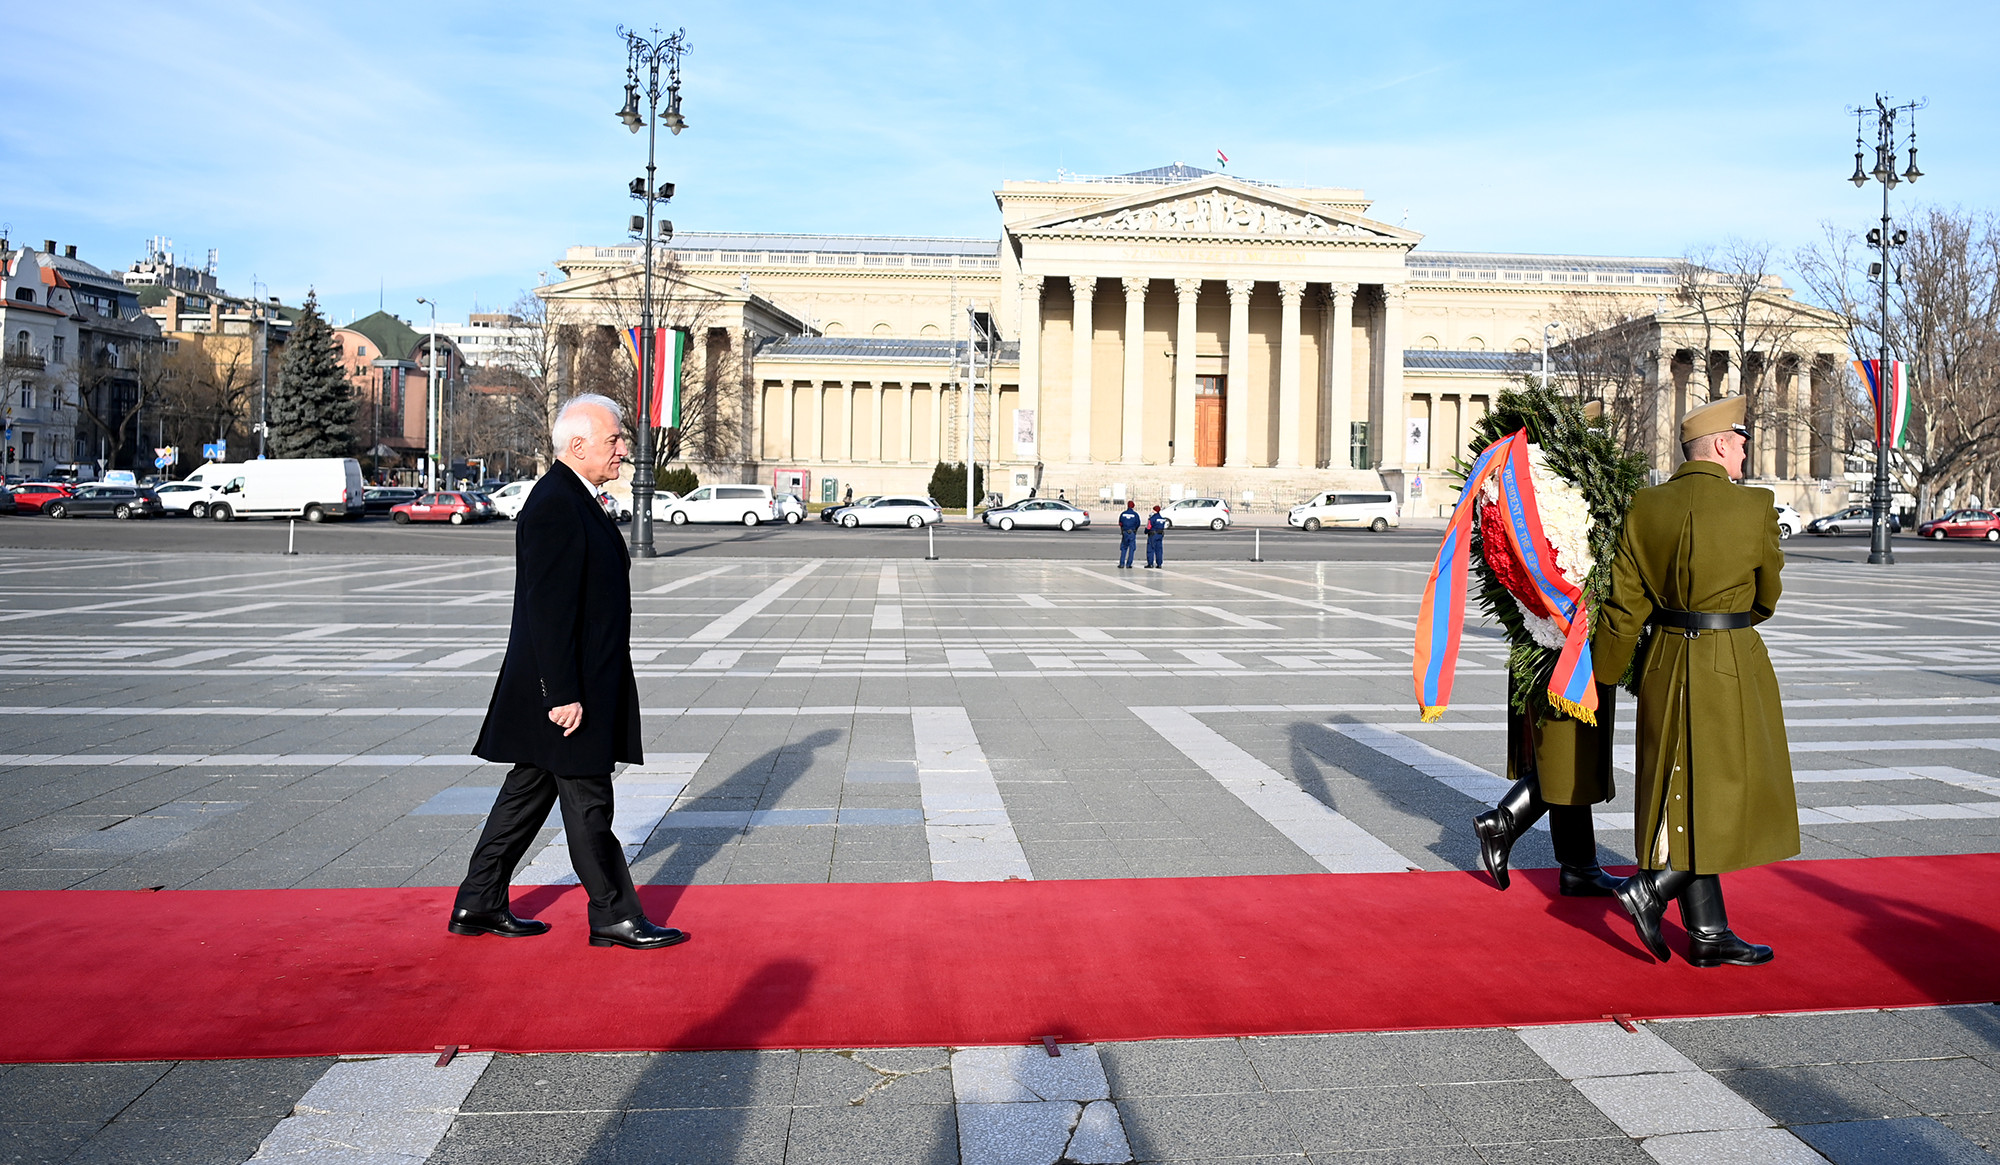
{"x": 1083, "y": 288}
{"x": 1237, "y": 403}
{"x": 1338, "y": 384}
{"x": 816, "y": 437}
{"x": 1031, "y": 361}
{"x": 1659, "y": 390}
{"x": 1290, "y": 292}
{"x": 1188, "y": 292}
{"x": 1135, "y": 370}
{"x": 789, "y": 448}
{"x": 937, "y": 420}
{"x": 1393, "y": 439}
{"x": 847, "y": 421}
{"x": 909, "y": 422}
{"x": 881, "y": 426}
{"x": 754, "y": 421}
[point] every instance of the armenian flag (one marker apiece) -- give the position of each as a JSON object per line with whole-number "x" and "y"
{"x": 1891, "y": 395}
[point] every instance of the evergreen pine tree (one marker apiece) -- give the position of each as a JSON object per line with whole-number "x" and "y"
{"x": 312, "y": 405}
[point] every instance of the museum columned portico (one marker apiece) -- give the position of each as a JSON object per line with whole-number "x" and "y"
{"x": 1177, "y": 331}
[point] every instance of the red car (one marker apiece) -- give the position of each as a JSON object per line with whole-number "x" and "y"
{"x": 33, "y": 495}
{"x": 456, "y": 508}
{"x": 1963, "y": 524}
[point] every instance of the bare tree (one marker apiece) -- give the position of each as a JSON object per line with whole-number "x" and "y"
{"x": 1944, "y": 323}
{"x": 113, "y": 382}
{"x": 1605, "y": 357}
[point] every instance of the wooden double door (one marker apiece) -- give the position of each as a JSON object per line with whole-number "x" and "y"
{"x": 1211, "y": 419}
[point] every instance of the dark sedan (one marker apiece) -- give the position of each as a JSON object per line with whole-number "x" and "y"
{"x": 379, "y": 499}
{"x": 106, "y": 501}
{"x": 7, "y": 503}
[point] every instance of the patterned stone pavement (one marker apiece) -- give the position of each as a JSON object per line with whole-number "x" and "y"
{"x": 226, "y": 720}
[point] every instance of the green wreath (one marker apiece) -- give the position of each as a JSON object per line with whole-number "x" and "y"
{"x": 1590, "y": 459}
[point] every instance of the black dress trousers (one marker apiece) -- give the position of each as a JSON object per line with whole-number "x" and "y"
{"x": 518, "y": 813}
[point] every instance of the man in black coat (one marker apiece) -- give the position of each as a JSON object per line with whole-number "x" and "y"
{"x": 566, "y": 707}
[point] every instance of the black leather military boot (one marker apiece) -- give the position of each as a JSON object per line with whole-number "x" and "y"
{"x": 1574, "y": 835}
{"x": 1710, "y": 941}
{"x": 1644, "y": 896}
{"x": 1500, "y": 827}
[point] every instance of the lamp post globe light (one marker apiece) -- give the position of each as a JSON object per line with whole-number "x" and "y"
{"x": 1884, "y": 238}
{"x": 644, "y": 59}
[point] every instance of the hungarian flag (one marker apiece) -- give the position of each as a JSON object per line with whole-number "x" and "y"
{"x": 1222, "y": 158}
{"x": 1891, "y": 394}
{"x": 661, "y": 407}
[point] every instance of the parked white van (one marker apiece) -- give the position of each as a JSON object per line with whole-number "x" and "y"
{"x": 1377, "y": 511}
{"x": 313, "y": 488}
{"x": 748, "y": 504}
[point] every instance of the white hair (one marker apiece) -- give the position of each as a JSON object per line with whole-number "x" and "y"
{"x": 569, "y": 424}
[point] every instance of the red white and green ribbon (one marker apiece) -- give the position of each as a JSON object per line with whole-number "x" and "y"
{"x": 1891, "y": 394}
{"x": 1533, "y": 579}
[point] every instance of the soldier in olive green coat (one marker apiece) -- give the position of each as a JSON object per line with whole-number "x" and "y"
{"x": 1698, "y": 559}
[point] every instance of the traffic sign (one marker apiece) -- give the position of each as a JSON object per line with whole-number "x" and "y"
{"x": 216, "y": 451}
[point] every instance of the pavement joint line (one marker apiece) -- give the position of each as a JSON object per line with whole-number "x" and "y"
{"x": 1324, "y": 834}
{"x": 677, "y": 584}
{"x": 723, "y": 627}
{"x": 1349, "y": 612}
{"x": 1651, "y": 1091}
{"x": 1117, "y": 582}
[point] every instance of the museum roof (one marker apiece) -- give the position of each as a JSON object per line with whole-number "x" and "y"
{"x": 872, "y": 348}
{"x": 1584, "y": 263}
{"x": 868, "y": 244}
{"x": 1461, "y": 360}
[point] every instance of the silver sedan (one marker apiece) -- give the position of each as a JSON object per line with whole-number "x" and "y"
{"x": 1037, "y": 514}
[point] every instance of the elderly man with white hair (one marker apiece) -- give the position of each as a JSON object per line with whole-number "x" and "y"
{"x": 566, "y": 706}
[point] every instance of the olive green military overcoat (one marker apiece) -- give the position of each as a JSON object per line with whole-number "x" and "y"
{"x": 1714, "y": 773}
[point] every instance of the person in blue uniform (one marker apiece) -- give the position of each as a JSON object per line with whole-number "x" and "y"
{"x": 1128, "y": 535}
{"x": 1156, "y": 540}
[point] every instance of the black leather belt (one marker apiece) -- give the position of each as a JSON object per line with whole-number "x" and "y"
{"x": 1702, "y": 620}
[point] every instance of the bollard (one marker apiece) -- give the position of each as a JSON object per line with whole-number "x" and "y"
{"x": 932, "y": 532}
{"x": 1257, "y": 551}
{"x": 291, "y": 536}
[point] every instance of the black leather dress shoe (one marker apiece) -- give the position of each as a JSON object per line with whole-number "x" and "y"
{"x": 638, "y": 933}
{"x": 1586, "y": 882}
{"x": 1640, "y": 900}
{"x": 501, "y": 922}
{"x": 1715, "y": 950}
{"x": 1496, "y": 844}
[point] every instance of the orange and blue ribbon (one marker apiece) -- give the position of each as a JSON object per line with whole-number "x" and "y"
{"x": 1441, "y": 619}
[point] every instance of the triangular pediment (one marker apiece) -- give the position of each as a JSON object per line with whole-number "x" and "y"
{"x": 1216, "y": 207}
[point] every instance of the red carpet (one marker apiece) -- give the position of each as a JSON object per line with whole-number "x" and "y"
{"x": 201, "y": 974}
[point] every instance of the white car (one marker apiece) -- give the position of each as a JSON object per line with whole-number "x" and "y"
{"x": 791, "y": 509}
{"x": 185, "y": 497}
{"x": 748, "y": 504}
{"x": 1376, "y": 511}
{"x": 1210, "y": 512}
{"x": 509, "y": 498}
{"x": 893, "y": 510}
{"x": 663, "y": 502}
{"x": 1037, "y": 514}
{"x": 1789, "y": 521}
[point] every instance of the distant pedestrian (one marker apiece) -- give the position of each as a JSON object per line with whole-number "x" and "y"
{"x": 1156, "y": 539}
{"x": 849, "y": 499}
{"x": 1128, "y": 535}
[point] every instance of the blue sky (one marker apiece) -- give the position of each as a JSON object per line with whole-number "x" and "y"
{"x": 454, "y": 150}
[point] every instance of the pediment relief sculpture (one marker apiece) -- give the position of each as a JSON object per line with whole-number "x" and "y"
{"x": 1217, "y": 213}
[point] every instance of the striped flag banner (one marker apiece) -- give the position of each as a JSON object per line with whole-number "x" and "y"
{"x": 1891, "y": 394}
{"x": 662, "y": 407}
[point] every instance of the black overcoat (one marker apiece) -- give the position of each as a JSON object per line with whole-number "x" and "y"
{"x": 571, "y": 640}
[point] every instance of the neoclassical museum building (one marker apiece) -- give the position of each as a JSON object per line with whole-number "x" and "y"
{"x": 1179, "y": 332}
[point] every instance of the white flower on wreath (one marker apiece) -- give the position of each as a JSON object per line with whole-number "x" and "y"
{"x": 1565, "y": 523}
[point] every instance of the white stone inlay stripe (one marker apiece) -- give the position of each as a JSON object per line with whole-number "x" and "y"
{"x": 971, "y": 837}
{"x": 887, "y": 617}
{"x": 176, "y": 760}
{"x": 1327, "y": 836}
{"x": 889, "y": 583}
{"x": 375, "y": 1111}
{"x": 1453, "y": 772}
{"x": 677, "y": 584}
{"x": 749, "y": 608}
{"x": 1021, "y": 1106}
{"x": 1654, "y": 1093}
{"x": 1237, "y": 620}
{"x": 1202, "y": 657}
{"x": 641, "y": 797}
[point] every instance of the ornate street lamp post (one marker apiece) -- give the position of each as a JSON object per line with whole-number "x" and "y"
{"x": 644, "y": 59}
{"x": 1883, "y": 239}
